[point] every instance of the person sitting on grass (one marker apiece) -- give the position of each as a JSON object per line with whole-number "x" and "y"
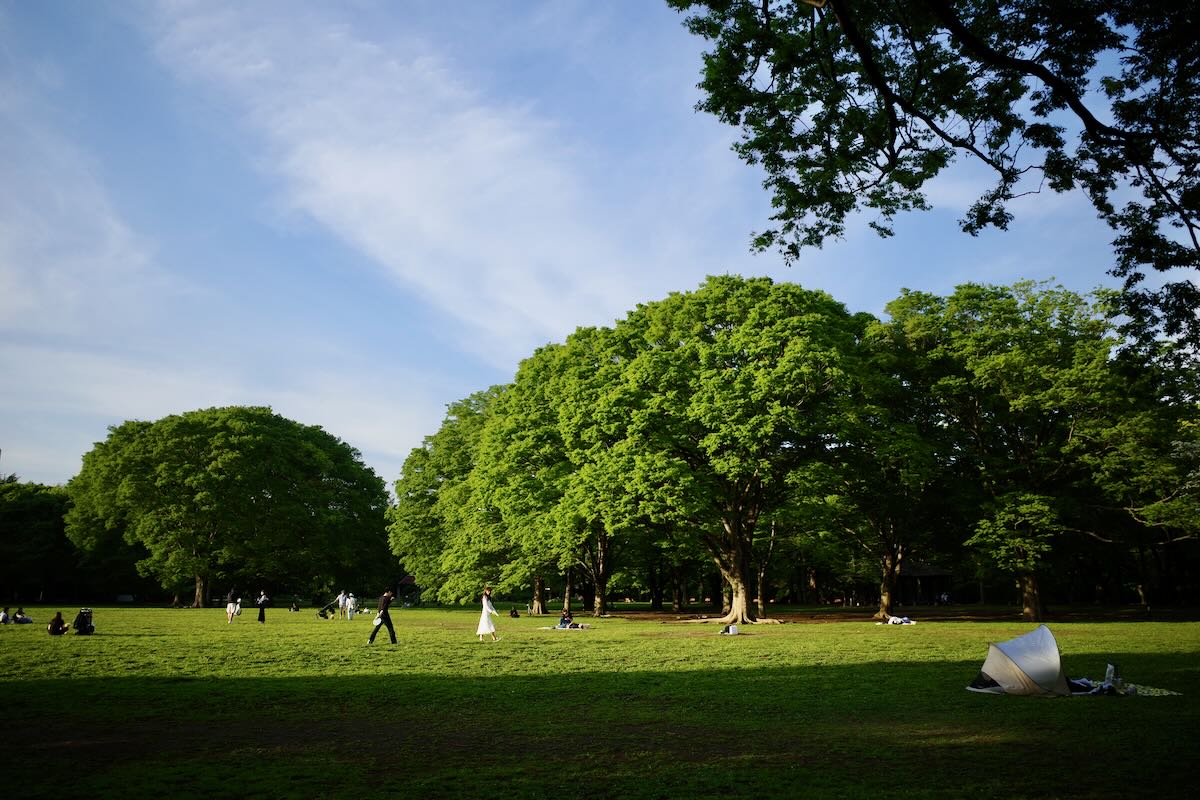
{"x": 19, "y": 618}
{"x": 514, "y": 613}
{"x": 5, "y": 619}
{"x": 57, "y": 626}
{"x": 566, "y": 619}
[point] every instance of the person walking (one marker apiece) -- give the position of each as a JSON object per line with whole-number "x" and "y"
{"x": 261, "y": 602}
{"x": 485, "y": 621}
{"x": 341, "y": 601}
{"x": 231, "y": 605}
{"x": 383, "y": 617}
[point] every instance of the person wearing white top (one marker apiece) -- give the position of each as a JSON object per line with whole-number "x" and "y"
{"x": 341, "y": 600}
{"x": 351, "y": 602}
{"x": 485, "y": 622}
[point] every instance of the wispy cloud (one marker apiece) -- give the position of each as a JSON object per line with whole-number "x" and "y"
{"x": 69, "y": 264}
{"x": 477, "y": 204}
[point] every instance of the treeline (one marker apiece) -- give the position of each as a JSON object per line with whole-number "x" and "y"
{"x": 194, "y": 504}
{"x": 761, "y": 433}
{"x": 750, "y": 441}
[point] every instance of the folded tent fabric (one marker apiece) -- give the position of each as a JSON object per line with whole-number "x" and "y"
{"x": 1027, "y": 665}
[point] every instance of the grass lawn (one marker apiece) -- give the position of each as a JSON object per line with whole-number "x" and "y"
{"x": 177, "y": 703}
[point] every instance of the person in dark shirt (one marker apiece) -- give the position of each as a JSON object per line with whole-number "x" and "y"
{"x": 57, "y": 626}
{"x": 383, "y": 617}
{"x": 261, "y": 602}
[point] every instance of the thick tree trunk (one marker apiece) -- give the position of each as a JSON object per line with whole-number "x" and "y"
{"x": 201, "y": 599}
{"x": 678, "y": 591}
{"x": 538, "y": 605}
{"x": 1031, "y": 598}
{"x": 735, "y": 569}
{"x": 888, "y": 578}
{"x": 739, "y": 603}
{"x": 568, "y": 590}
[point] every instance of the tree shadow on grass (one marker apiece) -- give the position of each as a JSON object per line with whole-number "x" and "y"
{"x": 815, "y": 731}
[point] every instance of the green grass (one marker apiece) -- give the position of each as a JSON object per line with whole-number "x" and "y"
{"x": 176, "y": 703}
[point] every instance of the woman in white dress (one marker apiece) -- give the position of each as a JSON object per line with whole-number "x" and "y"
{"x": 485, "y": 622}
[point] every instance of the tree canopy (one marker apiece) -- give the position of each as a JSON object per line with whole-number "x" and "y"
{"x": 238, "y": 494}
{"x": 855, "y": 106}
{"x": 764, "y": 427}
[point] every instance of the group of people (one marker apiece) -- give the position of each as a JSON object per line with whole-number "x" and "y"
{"x": 57, "y": 626}
{"x": 18, "y": 617}
{"x": 347, "y": 604}
{"x": 383, "y": 617}
{"x": 233, "y": 605}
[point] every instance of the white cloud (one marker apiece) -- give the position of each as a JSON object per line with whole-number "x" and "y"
{"x": 382, "y": 414}
{"x": 481, "y": 206}
{"x": 69, "y": 265}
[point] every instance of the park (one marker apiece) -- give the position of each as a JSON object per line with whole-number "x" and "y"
{"x": 176, "y": 702}
{"x": 471, "y": 317}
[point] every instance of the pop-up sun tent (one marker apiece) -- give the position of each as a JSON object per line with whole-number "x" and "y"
{"x": 1029, "y": 665}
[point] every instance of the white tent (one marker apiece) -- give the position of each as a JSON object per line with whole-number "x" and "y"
{"x": 1029, "y": 664}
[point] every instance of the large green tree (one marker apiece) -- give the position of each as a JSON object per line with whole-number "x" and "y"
{"x": 732, "y": 390}
{"x": 440, "y": 527}
{"x": 239, "y": 494}
{"x": 37, "y": 561}
{"x": 851, "y": 106}
{"x": 1019, "y": 375}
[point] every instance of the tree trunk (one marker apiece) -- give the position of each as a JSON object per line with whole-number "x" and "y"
{"x": 596, "y": 562}
{"x": 600, "y": 602}
{"x": 1031, "y": 598}
{"x": 201, "y": 599}
{"x": 739, "y": 603}
{"x": 656, "y": 587}
{"x": 568, "y": 590}
{"x": 537, "y": 606}
{"x": 763, "y": 563}
{"x": 889, "y": 575}
{"x": 735, "y": 569}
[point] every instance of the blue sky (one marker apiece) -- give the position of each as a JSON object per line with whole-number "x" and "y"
{"x": 358, "y": 212}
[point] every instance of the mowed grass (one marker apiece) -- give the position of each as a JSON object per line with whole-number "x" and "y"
{"x": 177, "y": 704}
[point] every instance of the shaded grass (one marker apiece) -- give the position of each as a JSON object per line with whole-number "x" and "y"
{"x": 179, "y": 704}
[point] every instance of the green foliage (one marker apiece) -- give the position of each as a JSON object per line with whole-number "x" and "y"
{"x": 748, "y": 422}
{"x": 1019, "y": 533}
{"x": 439, "y": 526}
{"x": 35, "y": 555}
{"x": 237, "y": 494}
{"x": 853, "y": 107}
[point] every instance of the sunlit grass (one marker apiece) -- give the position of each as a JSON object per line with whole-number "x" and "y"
{"x": 178, "y": 703}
